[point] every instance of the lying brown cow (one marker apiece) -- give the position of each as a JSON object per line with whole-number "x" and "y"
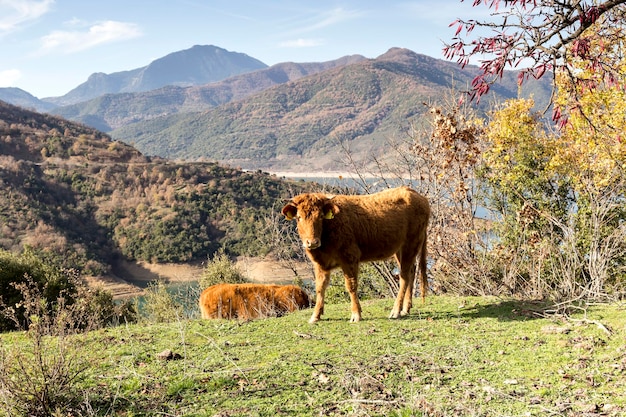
{"x": 248, "y": 301}
{"x": 342, "y": 231}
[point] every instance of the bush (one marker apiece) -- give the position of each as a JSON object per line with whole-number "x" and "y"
{"x": 160, "y": 306}
{"x": 60, "y": 291}
{"x": 95, "y": 308}
{"x": 50, "y": 281}
{"x": 219, "y": 270}
{"x": 40, "y": 378}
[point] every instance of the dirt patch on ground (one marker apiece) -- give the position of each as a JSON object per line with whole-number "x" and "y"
{"x": 117, "y": 286}
{"x": 129, "y": 279}
{"x": 273, "y": 272}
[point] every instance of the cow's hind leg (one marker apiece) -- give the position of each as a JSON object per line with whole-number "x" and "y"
{"x": 407, "y": 302}
{"x": 351, "y": 275}
{"x": 322, "y": 279}
{"x": 404, "y": 300}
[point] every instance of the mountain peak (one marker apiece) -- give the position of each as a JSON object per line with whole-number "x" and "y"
{"x": 200, "y": 64}
{"x": 21, "y": 98}
{"x": 402, "y": 54}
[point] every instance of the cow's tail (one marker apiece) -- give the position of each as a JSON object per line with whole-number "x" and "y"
{"x": 422, "y": 268}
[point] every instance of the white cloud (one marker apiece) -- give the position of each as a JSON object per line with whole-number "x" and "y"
{"x": 301, "y": 43}
{"x": 329, "y": 18}
{"x": 75, "y": 22}
{"x": 446, "y": 11}
{"x": 75, "y": 41}
{"x": 316, "y": 22}
{"x": 8, "y": 78}
{"x": 14, "y": 13}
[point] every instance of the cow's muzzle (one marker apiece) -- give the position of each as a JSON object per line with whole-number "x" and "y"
{"x": 311, "y": 243}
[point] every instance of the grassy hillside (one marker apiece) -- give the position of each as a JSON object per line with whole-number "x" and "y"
{"x": 452, "y": 357}
{"x": 73, "y": 194}
{"x": 299, "y": 125}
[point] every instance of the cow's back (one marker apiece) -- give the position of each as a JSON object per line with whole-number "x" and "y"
{"x": 250, "y": 300}
{"x": 375, "y": 226}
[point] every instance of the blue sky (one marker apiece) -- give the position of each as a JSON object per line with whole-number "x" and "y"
{"x": 49, "y": 47}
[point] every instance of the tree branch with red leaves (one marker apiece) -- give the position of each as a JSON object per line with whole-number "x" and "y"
{"x": 539, "y": 36}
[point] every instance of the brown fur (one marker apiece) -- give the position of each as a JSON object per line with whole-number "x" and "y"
{"x": 248, "y": 301}
{"x": 342, "y": 231}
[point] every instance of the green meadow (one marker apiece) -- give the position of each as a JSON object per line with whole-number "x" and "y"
{"x": 453, "y": 356}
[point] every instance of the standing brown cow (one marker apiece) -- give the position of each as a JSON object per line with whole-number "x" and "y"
{"x": 341, "y": 231}
{"x": 248, "y": 301}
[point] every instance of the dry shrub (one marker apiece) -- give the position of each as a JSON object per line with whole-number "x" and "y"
{"x": 160, "y": 306}
{"x": 41, "y": 377}
{"x": 446, "y": 156}
{"x": 578, "y": 256}
{"x": 220, "y": 269}
{"x": 25, "y": 277}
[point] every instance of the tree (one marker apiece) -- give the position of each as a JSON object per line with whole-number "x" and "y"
{"x": 446, "y": 154}
{"x": 541, "y": 36}
{"x": 560, "y": 194}
{"x": 595, "y": 106}
{"x": 560, "y": 231}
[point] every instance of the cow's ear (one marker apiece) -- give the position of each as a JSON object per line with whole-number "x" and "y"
{"x": 330, "y": 210}
{"x": 290, "y": 211}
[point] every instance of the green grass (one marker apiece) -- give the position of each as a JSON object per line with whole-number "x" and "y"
{"x": 452, "y": 357}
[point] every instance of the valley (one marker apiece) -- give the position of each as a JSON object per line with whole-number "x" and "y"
{"x": 129, "y": 279}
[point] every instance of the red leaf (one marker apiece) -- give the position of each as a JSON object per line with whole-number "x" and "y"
{"x": 539, "y": 71}
{"x": 458, "y": 29}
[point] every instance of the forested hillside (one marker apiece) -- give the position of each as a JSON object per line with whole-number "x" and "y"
{"x": 74, "y": 194}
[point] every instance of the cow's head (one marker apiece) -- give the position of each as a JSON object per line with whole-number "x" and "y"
{"x": 310, "y": 211}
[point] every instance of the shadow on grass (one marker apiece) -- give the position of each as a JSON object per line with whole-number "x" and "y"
{"x": 507, "y": 310}
{"x": 503, "y": 310}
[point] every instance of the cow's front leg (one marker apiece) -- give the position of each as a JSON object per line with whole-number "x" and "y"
{"x": 322, "y": 279}
{"x": 350, "y": 274}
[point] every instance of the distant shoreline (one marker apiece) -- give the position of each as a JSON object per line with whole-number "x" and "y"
{"x": 288, "y": 174}
{"x": 332, "y": 174}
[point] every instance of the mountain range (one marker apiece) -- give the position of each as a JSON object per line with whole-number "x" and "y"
{"x": 201, "y": 64}
{"x": 209, "y": 103}
{"x": 112, "y": 111}
{"x": 307, "y": 125}
{"x": 19, "y": 97}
